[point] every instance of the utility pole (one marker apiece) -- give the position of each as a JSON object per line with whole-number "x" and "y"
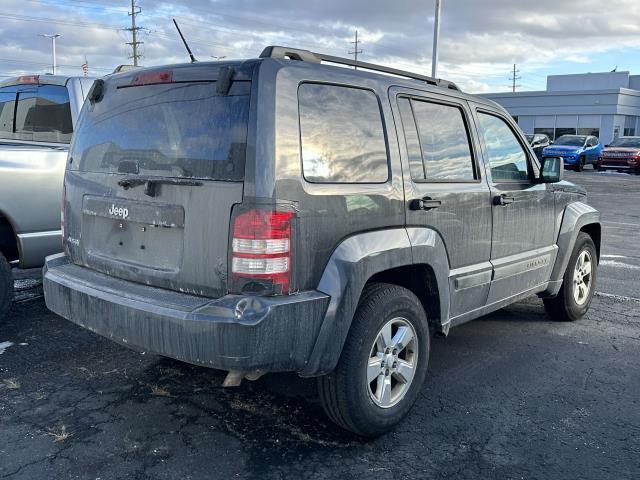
{"x": 356, "y": 52}
{"x": 514, "y": 78}
{"x": 436, "y": 37}
{"x": 135, "y": 10}
{"x": 53, "y": 37}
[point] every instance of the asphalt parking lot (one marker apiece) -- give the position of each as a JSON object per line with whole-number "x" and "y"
{"x": 513, "y": 395}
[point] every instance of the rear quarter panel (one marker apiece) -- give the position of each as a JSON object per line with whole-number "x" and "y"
{"x": 328, "y": 213}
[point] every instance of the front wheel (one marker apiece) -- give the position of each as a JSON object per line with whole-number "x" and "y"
{"x": 383, "y": 362}
{"x": 580, "y": 164}
{"x": 578, "y": 283}
{"x": 6, "y": 287}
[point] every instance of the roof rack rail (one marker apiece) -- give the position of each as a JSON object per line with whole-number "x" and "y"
{"x": 274, "y": 51}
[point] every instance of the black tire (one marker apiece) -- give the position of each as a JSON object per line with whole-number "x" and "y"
{"x": 564, "y": 306}
{"x": 6, "y": 287}
{"x": 580, "y": 164}
{"x": 344, "y": 393}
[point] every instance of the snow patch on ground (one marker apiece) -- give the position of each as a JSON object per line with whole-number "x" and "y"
{"x": 4, "y": 346}
{"x": 613, "y": 263}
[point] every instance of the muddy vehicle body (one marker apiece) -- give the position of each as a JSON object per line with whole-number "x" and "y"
{"x": 281, "y": 214}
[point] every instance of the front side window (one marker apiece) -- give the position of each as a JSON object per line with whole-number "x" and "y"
{"x": 507, "y": 158}
{"x": 342, "y": 135}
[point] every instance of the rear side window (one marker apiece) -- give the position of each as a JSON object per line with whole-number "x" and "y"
{"x": 53, "y": 115}
{"x": 38, "y": 113}
{"x": 342, "y": 135}
{"x": 7, "y": 111}
{"x": 25, "y": 115}
{"x": 437, "y": 141}
{"x": 507, "y": 158}
{"x": 171, "y": 130}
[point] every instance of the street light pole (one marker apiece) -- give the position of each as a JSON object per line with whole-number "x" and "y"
{"x": 436, "y": 36}
{"x": 53, "y": 37}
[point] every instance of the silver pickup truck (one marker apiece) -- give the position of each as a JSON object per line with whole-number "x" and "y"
{"x": 37, "y": 118}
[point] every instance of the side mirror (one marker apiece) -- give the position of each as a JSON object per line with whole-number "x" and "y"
{"x": 552, "y": 170}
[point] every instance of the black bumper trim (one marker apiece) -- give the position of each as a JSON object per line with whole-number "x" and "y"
{"x": 232, "y": 332}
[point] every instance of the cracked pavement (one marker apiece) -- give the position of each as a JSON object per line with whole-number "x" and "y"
{"x": 511, "y": 395}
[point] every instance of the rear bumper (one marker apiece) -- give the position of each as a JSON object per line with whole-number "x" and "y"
{"x": 230, "y": 333}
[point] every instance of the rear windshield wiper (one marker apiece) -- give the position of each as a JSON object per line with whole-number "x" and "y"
{"x": 151, "y": 183}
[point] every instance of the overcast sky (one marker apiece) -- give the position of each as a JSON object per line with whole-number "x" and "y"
{"x": 480, "y": 40}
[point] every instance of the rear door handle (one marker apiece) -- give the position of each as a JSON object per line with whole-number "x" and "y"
{"x": 424, "y": 203}
{"x": 503, "y": 200}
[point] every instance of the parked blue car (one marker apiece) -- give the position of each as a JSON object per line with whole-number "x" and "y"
{"x": 577, "y": 150}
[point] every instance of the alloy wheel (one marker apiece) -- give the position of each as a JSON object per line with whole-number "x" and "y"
{"x": 392, "y": 362}
{"x": 582, "y": 275}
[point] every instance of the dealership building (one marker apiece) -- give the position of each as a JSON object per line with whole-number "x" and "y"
{"x": 606, "y": 105}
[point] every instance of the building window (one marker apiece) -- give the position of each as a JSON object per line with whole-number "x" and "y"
{"x": 594, "y": 132}
{"x": 338, "y": 145}
{"x": 629, "y": 126}
{"x": 564, "y": 131}
{"x": 544, "y": 131}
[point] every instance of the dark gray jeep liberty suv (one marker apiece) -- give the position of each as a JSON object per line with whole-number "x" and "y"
{"x": 282, "y": 214}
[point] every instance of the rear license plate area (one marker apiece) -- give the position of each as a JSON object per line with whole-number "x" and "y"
{"x": 121, "y": 231}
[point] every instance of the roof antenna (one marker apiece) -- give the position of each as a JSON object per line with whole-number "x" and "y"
{"x": 186, "y": 45}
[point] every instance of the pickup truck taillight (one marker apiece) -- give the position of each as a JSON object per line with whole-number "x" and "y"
{"x": 261, "y": 251}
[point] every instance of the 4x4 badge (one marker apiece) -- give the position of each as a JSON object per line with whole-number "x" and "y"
{"x": 118, "y": 211}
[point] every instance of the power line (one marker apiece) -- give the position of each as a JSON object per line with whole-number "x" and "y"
{"x": 25, "y": 18}
{"x": 355, "y": 50}
{"x": 44, "y": 64}
{"x": 514, "y": 78}
{"x": 135, "y": 11}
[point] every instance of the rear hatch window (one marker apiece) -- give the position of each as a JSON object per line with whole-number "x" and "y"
{"x": 155, "y": 168}
{"x": 181, "y": 129}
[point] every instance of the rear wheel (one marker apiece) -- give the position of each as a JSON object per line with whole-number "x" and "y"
{"x": 6, "y": 287}
{"x": 383, "y": 362}
{"x": 578, "y": 284}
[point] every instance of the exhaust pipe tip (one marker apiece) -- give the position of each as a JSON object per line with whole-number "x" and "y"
{"x": 234, "y": 377}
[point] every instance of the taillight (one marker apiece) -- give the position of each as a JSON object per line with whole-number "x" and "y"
{"x": 29, "y": 79}
{"x": 261, "y": 251}
{"x": 152, "y": 78}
